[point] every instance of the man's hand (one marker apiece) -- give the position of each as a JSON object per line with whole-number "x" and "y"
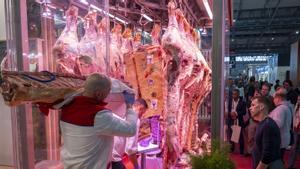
{"x": 233, "y": 115}
{"x": 261, "y": 165}
{"x": 129, "y": 98}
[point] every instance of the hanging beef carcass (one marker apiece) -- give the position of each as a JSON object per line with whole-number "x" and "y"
{"x": 186, "y": 77}
{"x": 116, "y": 61}
{"x": 155, "y": 34}
{"x": 65, "y": 50}
{"x": 127, "y": 42}
{"x": 102, "y": 46}
{"x": 137, "y": 41}
{"x": 87, "y": 61}
{"x": 171, "y": 42}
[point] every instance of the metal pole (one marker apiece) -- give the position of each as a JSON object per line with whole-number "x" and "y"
{"x": 17, "y": 40}
{"x": 107, "y": 39}
{"x": 218, "y": 51}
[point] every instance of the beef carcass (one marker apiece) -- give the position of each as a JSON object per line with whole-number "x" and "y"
{"x": 137, "y": 41}
{"x": 65, "y": 50}
{"x": 116, "y": 61}
{"x": 127, "y": 42}
{"x": 171, "y": 42}
{"x": 155, "y": 34}
{"x": 151, "y": 78}
{"x": 88, "y": 62}
{"x": 101, "y": 45}
{"x": 186, "y": 75}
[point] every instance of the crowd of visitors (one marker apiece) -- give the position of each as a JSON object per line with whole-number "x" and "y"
{"x": 269, "y": 120}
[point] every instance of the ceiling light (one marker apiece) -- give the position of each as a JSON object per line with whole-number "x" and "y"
{"x": 84, "y": 2}
{"x": 208, "y": 10}
{"x": 232, "y": 40}
{"x": 297, "y": 32}
{"x": 95, "y": 7}
{"x": 268, "y": 49}
{"x": 109, "y": 14}
{"x": 120, "y": 20}
{"x": 147, "y": 17}
{"x": 272, "y": 38}
{"x": 234, "y": 20}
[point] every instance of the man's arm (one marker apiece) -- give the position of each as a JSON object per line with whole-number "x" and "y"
{"x": 278, "y": 115}
{"x": 131, "y": 147}
{"x": 241, "y": 110}
{"x": 267, "y": 147}
{"x": 107, "y": 124}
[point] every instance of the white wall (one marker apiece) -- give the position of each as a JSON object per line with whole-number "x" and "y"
{"x": 6, "y": 148}
{"x": 281, "y": 72}
{"x": 2, "y": 21}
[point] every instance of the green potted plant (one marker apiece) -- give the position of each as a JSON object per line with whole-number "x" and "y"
{"x": 218, "y": 158}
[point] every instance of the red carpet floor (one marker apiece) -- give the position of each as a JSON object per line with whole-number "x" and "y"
{"x": 243, "y": 162}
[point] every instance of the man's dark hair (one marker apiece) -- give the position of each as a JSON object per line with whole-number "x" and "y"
{"x": 143, "y": 102}
{"x": 266, "y": 84}
{"x": 236, "y": 90}
{"x": 265, "y": 101}
{"x": 277, "y": 81}
{"x": 281, "y": 92}
{"x": 289, "y": 82}
{"x": 252, "y": 79}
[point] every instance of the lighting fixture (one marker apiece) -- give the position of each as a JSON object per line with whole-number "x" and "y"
{"x": 147, "y": 17}
{"x": 208, "y": 10}
{"x": 85, "y": 2}
{"x": 297, "y": 32}
{"x": 108, "y": 14}
{"x": 96, "y": 8}
{"x": 272, "y": 38}
{"x": 234, "y": 20}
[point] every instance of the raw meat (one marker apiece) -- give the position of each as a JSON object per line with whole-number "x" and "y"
{"x": 20, "y": 87}
{"x": 188, "y": 83}
{"x": 155, "y": 34}
{"x": 65, "y": 50}
{"x": 127, "y": 42}
{"x": 88, "y": 62}
{"x": 101, "y": 46}
{"x": 116, "y": 58}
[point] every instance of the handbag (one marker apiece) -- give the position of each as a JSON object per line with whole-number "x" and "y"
{"x": 236, "y": 132}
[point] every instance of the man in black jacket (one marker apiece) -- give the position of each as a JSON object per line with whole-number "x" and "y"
{"x": 266, "y": 151}
{"x": 236, "y": 112}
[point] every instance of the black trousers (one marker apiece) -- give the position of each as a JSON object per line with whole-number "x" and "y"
{"x": 117, "y": 165}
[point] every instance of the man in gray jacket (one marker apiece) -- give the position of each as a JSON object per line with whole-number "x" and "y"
{"x": 282, "y": 115}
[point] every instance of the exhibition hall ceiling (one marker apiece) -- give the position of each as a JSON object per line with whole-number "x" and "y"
{"x": 264, "y": 26}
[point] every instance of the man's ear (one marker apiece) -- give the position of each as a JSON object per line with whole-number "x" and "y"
{"x": 261, "y": 107}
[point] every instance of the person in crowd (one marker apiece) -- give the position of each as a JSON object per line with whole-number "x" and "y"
{"x": 250, "y": 128}
{"x": 265, "y": 91}
{"x": 292, "y": 94}
{"x": 266, "y": 151}
{"x": 296, "y": 129}
{"x": 241, "y": 88}
{"x": 250, "y": 88}
{"x": 88, "y": 128}
{"x": 128, "y": 145}
{"x": 256, "y": 93}
{"x": 282, "y": 115}
{"x": 236, "y": 111}
{"x": 277, "y": 84}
